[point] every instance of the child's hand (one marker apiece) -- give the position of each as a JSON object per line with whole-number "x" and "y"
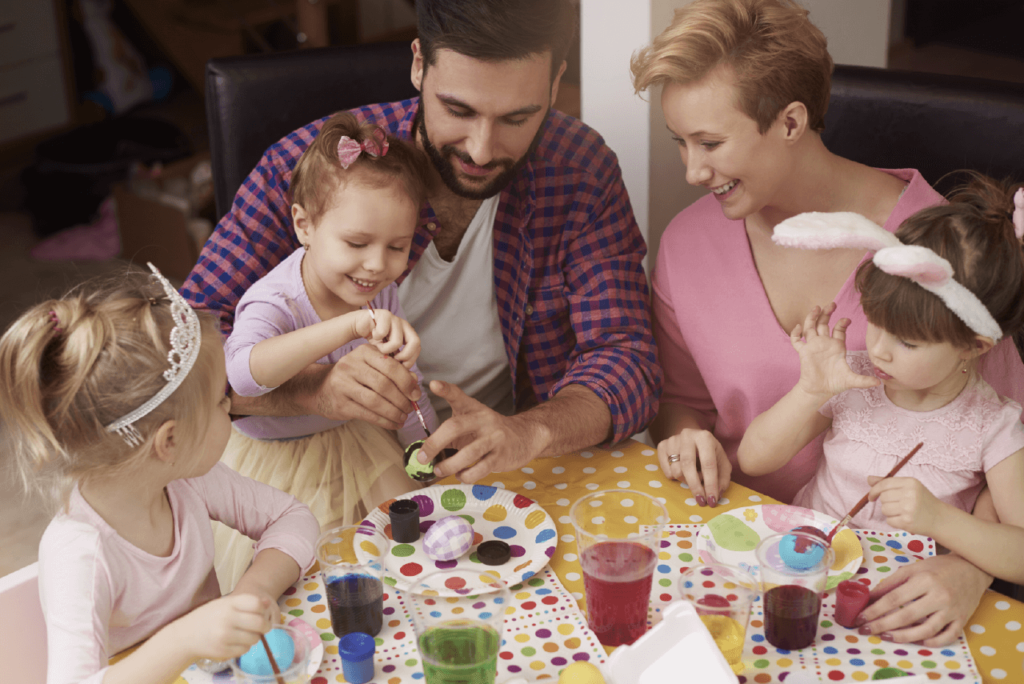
{"x": 824, "y": 371}
{"x": 226, "y": 627}
{"x": 907, "y": 504}
{"x": 392, "y": 335}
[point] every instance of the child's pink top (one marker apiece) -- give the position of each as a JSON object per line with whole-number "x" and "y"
{"x": 870, "y": 434}
{"x": 101, "y": 594}
{"x": 722, "y": 349}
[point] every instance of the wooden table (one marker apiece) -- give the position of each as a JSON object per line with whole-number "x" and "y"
{"x": 994, "y": 632}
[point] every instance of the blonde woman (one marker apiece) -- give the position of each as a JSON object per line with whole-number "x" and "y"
{"x": 745, "y": 90}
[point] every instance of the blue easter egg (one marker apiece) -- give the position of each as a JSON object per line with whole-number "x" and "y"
{"x": 810, "y": 557}
{"x": 255, "y": 660}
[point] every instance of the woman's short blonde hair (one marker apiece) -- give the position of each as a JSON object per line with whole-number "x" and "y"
{"x": 776, "y": 54}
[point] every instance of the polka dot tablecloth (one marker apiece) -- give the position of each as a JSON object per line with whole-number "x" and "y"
{"x": 994, "y": 633}
{"x": 544, "y": 632}
{"x": 838, "y": 654}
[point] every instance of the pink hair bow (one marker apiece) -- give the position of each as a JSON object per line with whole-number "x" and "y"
{"x": 847, "y": 230}
{"x": 349, "y": 150}
{"x": 1018, "y": 213}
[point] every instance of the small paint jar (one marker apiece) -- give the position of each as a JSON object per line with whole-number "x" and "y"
{"x": 356, "y": 650}
{"x": 851, "y": 598}
{"x": 405, "y": 521}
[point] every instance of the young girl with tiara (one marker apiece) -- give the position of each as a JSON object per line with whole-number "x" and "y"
{"x": 937, "y": 294}
{"x": 356, "y": 196}
{"x": 113, "y": 399}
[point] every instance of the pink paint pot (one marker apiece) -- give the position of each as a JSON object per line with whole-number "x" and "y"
{"x": 851, "y": 598}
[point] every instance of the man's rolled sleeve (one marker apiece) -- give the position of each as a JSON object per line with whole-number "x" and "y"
{"x": 607, "y": 294}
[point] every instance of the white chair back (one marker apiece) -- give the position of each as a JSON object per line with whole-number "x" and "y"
{"x": 22, "y": 628}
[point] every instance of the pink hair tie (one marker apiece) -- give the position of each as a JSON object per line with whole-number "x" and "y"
{"x": 55, "y": 321}
{"x": 1018, "y": 213}
{"x": 375, "y": 146}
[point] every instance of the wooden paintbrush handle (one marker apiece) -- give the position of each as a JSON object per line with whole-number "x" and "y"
{"x": 273, "y": 662}
{"x": 864, "y": 502}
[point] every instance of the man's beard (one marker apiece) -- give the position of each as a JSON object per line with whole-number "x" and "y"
{"x": 446, "y": 169}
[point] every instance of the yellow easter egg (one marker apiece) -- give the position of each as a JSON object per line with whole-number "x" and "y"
{"x": 581, "y": 672}
{"x": 495, "y": 513}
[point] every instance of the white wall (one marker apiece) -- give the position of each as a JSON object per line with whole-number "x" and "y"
{"x": 857, "y": 32}
{"x": 608, "y": 36}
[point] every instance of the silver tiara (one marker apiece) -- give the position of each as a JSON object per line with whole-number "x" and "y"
{"x": 185, "y": 340}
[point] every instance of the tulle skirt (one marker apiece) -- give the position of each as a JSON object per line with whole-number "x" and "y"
{"x": 341, "y": 474}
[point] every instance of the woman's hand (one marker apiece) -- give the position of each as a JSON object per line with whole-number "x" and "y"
{"x": 824, "y": 371}
{"x": 227, "y": 627}
{"x": 696, "y": 457}
{"x": 927, "y": 602}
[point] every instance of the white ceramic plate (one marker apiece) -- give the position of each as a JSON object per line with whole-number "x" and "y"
{"x": 732, "y": 536}
{"x": 494, "y": 513}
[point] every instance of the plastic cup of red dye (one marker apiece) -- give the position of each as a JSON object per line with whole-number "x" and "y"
{"x": 851, "y": 598}
{"x": 618, "y": 534}
{"x": 792, "y": 586}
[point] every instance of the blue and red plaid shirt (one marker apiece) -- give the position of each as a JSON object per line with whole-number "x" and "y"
{"x": 571, "y": 291}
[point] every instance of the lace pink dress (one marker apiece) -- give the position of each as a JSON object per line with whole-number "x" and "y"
{"x": 869, "y": 435}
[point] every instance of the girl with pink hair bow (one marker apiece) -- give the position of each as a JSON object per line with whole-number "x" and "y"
{"x": 937, "y": 295}
{"x": 355, "y": 202}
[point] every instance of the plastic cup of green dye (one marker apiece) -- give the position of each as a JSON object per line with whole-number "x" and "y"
{"x": 459, "y": 616}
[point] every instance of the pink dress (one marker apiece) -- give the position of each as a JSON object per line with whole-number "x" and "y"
{"x": 101, "y": 594}
{"x": 869, "y": 435}
{"x": 722, "y": 349}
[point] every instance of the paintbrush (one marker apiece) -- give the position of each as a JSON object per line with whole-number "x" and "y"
{"x": 273, "y": 662}
{"x": 864, "y": 502}
{"x": 419, "y": 414}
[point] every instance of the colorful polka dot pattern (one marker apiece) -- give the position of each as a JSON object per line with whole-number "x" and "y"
{"x": 555, "y": 483}
{"x": 493, "y": 513}
{"x": 838, "y": 654}
{"x": 544, "y": 632}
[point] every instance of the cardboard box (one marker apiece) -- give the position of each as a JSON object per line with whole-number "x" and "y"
{"x": 155, "y": 231}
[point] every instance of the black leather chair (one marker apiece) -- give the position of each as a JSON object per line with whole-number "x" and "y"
{"x": 254, "y": 101}
{"x": 936, "y": 124}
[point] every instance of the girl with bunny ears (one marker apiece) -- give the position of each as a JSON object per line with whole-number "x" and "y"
{"x": 938, "y": 295}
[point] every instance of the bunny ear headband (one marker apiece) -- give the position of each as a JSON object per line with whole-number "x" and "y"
{"x": 848, "y": 230}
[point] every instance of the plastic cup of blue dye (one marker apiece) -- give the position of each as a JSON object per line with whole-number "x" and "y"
{"x": 356, "y": 651}
{"x": 352, "y": 564}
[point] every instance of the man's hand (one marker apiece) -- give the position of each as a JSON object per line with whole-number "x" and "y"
{"x": 367, "y": 385}
{"x": 488, "y": 442}
{"x": 927, "y": 602}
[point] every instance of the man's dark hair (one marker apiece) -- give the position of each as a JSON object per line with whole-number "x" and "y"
{"x": 497, "y": 30}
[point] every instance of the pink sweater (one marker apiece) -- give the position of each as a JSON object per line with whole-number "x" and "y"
{"x": 723, "y": 350}
{"x": 101, "y": 594}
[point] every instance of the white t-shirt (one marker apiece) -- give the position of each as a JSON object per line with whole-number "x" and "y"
{"x": 452, "y": 306}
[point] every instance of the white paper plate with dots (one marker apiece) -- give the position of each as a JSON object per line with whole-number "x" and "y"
{"x": 494, "y": 513}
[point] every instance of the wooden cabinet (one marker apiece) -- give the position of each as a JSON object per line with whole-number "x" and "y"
{"x": 33, "y": 75}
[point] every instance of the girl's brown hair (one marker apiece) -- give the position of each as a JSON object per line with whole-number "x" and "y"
{"x": 974, "y": 233}
{"x": 71, "y": 366}
{"x": 777, "y": 55}
{"x": 318, "y": 173}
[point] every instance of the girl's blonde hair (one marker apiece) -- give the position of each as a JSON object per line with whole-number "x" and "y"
{"x": 71, "y": 366}
{"x": 318, "y": 173}
{"x": 975, "y": 234}
{"x": 777, "y": 55}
